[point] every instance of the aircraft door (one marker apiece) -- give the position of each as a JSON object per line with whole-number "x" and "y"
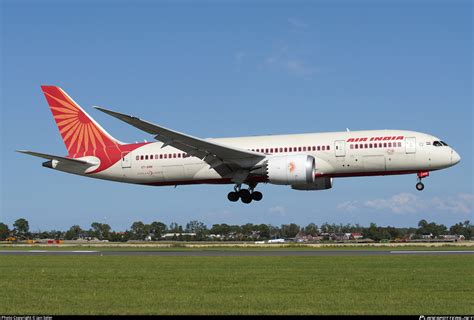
{"x": 340, "y": 148}
{"x": 410, "y": 145}
{"x": 126, "y": 160}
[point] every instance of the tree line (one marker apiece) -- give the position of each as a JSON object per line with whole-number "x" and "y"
{"x": 198, "y": 231}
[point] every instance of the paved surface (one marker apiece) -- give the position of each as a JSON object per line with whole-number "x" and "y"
{"x": 236, "y": 253}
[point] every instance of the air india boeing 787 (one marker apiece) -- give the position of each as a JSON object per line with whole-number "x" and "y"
{"x": 303, "y": 161}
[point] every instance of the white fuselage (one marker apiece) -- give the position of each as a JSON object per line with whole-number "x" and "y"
{"x": 303, "y": 161}
{"x": 337, "y": 154}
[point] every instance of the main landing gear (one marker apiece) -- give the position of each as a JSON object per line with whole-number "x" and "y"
{"x": 246, "y": 195}
{"x": 422, "y": 174}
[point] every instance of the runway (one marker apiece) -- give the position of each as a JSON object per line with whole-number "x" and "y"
{"x": 233, "y": 253}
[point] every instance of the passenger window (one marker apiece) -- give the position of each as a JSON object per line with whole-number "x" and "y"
{"x": 389, "y": 144}
{"x": 146, "y": 157}
{"x": 399, "y": 144}
{"x": 319, "y": 148}
{"x": 361, "y": 146}
{"x": 286, "y": 149}
{"x": 299, "y": 148}
{"x": 352, "y": 146}
{"x": 327, "y": 148}
{"x": 323, "y": 148}
{"x": 385, "y": 145}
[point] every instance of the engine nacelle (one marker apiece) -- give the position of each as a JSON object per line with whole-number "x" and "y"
{"x": 291, "y": 170}
{"x": 318, "y": 184}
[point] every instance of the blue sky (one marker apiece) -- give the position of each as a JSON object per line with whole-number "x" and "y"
{"x": 236, "y": 68}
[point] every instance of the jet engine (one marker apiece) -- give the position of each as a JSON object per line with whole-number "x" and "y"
{"x": 290, "y": 170}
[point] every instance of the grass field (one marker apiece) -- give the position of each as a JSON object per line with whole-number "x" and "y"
{"x": 237, "y": 285}
{"x": 237, "y": 247}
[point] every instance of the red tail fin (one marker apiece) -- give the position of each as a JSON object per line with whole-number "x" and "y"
{"x": 81, "y": 134}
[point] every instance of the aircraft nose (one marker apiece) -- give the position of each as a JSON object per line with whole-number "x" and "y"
{"x": 455, "y": 157}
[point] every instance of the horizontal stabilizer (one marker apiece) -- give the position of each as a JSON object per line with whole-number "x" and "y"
{"x": 64, "y": 160}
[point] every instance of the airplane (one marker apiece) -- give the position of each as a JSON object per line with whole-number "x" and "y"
{"x": 307, "y": 161}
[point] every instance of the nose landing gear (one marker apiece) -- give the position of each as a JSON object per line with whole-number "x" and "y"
{"x": 422, "y": 174}
{"x": 420, "y": 186}
{"x": 246, "y": 195}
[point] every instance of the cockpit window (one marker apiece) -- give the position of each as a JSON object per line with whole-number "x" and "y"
{"x": 437, "y": 144}
{"x": 444, "y": 143}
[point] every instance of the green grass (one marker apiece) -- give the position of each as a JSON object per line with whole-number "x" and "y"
{"x": 229, "y": 247}
{"x": 237, "y": 285}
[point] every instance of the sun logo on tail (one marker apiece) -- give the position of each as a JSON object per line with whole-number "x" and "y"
{"x": 80, "y": 133}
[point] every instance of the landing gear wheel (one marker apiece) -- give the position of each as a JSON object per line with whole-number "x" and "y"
{"x": 245, "y": 196}
{"x": 233, "y": 196}
{"x": 244, "y": 193}
{"x": 420, "y": 186}
{"x": 257, "y": 196}
{"x": 246, "y": 200}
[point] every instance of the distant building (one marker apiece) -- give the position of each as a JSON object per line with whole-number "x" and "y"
{"x": 340, "y": 236}
{"x": 356, "y": 236}
{"x": 302, "y": 237}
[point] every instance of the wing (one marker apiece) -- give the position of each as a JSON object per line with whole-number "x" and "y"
{"x": 226, "y": 160}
